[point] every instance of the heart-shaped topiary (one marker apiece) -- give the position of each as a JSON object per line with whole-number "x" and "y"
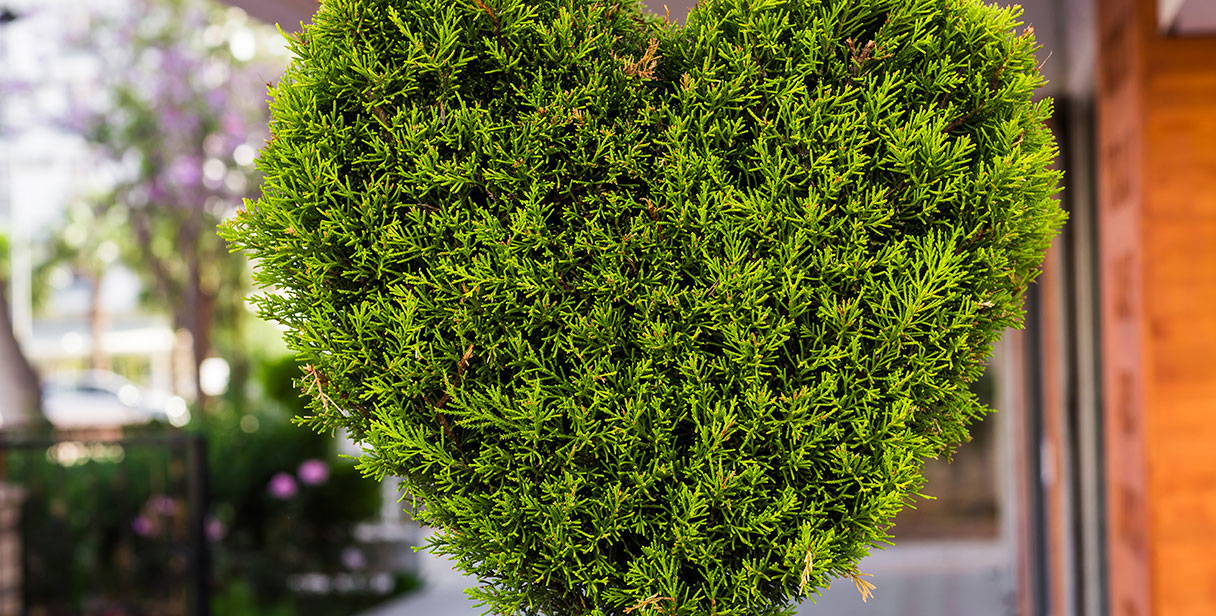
{"x": 652, "y": 318}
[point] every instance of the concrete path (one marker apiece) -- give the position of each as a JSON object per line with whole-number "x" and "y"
{"x": 937, "y": 579}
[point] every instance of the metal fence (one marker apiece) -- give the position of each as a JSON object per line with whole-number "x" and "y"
{"x": 104, "y": 524}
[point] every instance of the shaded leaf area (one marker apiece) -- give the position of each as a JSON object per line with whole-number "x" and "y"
{"x": 652, "y": 319}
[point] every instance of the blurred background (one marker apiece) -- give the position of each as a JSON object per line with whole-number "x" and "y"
{"x": 148, "y": 463}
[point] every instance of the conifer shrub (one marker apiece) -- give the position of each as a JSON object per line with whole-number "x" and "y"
{"x": 652, "y": 318}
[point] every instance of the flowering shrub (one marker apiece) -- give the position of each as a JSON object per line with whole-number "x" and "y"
{"x": 173, "y": 114}
{"x": 313, "y": 472}
{"x": 652, "y": 318}
{"x": 107, "y": 525}
{"x": 283, "y": 486}
{"x": 282, "y": 504}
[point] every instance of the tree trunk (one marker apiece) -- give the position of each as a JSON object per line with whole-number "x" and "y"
{"x": 98, "y": 359}
{"x": 21, "y": 403}
{"x": 198, "y": 308}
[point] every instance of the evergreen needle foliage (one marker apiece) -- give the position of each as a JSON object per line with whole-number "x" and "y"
{"x": 652, "y": 318}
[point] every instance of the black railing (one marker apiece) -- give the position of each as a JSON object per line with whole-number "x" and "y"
{"x": 104, "y": 524}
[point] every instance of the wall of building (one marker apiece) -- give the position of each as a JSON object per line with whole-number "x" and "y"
{"x": 1157, "y": 149}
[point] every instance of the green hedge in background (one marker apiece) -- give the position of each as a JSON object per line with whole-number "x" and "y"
{"x": 652, "y": 318}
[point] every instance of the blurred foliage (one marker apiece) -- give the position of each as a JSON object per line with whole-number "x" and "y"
{"x": 268, "y": 538}
{"x": 4, "y": 255}
{"x": 239, "y": 599}
{"x": 180, "y": 108}
{"x": 84, "y": 549}
{"x": 105, "y": 528}
{"x": 84, "y": 246}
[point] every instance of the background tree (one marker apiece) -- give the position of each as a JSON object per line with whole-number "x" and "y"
{"x": 84, "y": 247}
{"x": 180, "y": 115}
{"x": 18, "y": 379}
{"x": 17, "y": 375}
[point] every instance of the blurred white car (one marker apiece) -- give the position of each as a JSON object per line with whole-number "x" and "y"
{"x": 100, "y": 399}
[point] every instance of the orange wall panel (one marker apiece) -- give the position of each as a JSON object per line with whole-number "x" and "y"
{"x": 1178, "y": 261}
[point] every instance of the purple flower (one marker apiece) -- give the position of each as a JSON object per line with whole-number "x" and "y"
{"x": 79, "y": 118}
{"x": 234, "y": 127}
{"x": 215, "y": 529}
{"x": 353, "y": 558}
{"x": 176, "y": 122}
{"x": 142, "y": 526}
{"x": 162, "y": 505}
{"x": 16, "y": 86}
{"x": 282, "y": 486}
{"x": 155, "y": 193}
{"x": 186, "y": 171}
{"x": 313, "y": 472}
{"x": 216, "y": 98}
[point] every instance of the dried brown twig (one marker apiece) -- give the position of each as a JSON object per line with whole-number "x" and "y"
{"x": 863, "y": 586}
{"x": 648, "y": 602}
{"x": 806, "y": 572}
{"x": 488, "y": 11}
{"x": 313, "y": 381}
{"x": 643, "y": 67}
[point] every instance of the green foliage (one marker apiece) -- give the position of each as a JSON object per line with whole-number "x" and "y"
{"x": 79, "y": 246}
{"x": 4, "y": 257}
{"x": 79, "y": 531}
{"x": 267, "y": 539}
{"x": 652, "y": 318}
{"x": 238, "y": 599}
{"x": 106, "y": 524}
